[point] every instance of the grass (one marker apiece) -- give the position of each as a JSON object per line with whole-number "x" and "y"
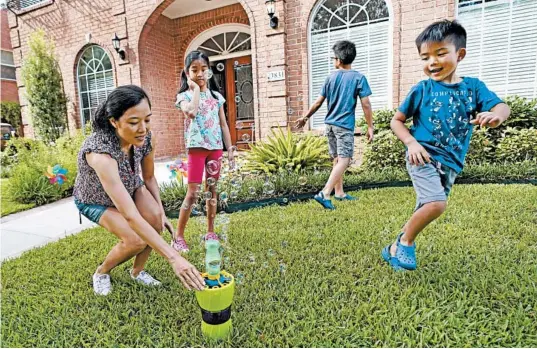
{"x": 312, "y": 278}
{"x": 8, "y": 206}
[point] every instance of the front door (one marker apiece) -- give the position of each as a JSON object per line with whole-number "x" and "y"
{"x": 234, "y": 77}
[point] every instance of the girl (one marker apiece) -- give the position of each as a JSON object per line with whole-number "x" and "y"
{"x": 205, "y": 130}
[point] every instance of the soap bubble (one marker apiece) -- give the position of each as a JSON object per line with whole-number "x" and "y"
{"x": 283, "y": 268}
{"x": 195, "y": 207}
{"x": 239, "y": 278}
{"x": 284, "y": 244}
{"x": 212, "y": 167}
{"x": 223, "y": 237}
{"x": 285, "y": 200}
{"x": 235, "y": 182}
{"x": 251, "y": 258}
{"x": 271, "y": 252}
{"x": 207, "y": 195}
{"x": 211, "y": 181}
{"x": 245, "y": 137}
{"x": 239, "y": 125}
{"x": 213, "y": 202}
{"x": 208, "y": 74}
{"x": 290, "y": 167}
{"x": 302, "y": 180}
{"x": 268, "y": 188}
{"x": 251, "y": 190}
{"x": 185, "y": 206}
{"x": 233, "y": 194}
{"x": 223, "y": 196}
{"x": 227, "y": 261}
{"x": 265, "y": 265}
{"x": 290, "y": 111}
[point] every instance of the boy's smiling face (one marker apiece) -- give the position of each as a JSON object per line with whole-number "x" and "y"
{"x": 440, "y": 60}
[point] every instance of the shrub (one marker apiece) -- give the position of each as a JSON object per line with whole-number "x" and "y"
{"x": 42, "y": 78}
{"x": 523, "y": 112}
{"x": 28, "y": 183}
{"x": 288, "y": 151}
{"x": 517, "y": 146}
{"x": 385, "y": 151}
{"x": 381, "y": 119}
{"x": 482, "y": 147}
{"x": 11, "y": 113}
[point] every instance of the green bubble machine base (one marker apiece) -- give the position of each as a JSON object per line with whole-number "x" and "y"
{"x": 215, "y": 300}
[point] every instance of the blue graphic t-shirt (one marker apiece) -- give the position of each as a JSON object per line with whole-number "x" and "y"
{"x": 441, "y": 115}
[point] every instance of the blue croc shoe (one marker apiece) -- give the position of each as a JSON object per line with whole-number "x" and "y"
{"x": 347, "y": 197}
{"x": 392, "y": 261}
{"x": 406, "y": 255}
{"x": 326, "y": 203}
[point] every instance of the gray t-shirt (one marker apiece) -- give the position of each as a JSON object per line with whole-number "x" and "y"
{"x": 341, "y": 90}
{"x": 88, "y": 188}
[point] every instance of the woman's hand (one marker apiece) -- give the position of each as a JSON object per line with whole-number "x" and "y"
{"x": 166, "y": 225}
{"x": 188, "y": 274}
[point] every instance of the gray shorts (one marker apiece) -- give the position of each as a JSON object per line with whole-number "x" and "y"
{"x": 340, "y": 141}
{"x": 432, "y": 182}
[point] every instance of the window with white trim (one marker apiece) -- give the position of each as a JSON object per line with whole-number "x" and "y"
{"x": 367, "y": 24}
{"x": 226, "y": 43}
{"x": 501, "y": 45}
{"x": 95, "y": 78}
{"x": 7, "y": 66}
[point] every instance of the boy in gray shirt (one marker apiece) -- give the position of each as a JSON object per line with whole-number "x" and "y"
{"x": 341, "y": 90}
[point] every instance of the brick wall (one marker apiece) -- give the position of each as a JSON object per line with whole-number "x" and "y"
{"x": 155, "y": 47}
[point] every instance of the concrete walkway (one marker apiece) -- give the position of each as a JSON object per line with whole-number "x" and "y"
{"x": 39, "y": 226}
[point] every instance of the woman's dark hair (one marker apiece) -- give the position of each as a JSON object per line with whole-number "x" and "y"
{"x": 212, "y": 85}
{"x": 118, "y": 101}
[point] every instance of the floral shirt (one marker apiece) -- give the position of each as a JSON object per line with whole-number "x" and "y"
{"x": 204, "y": 130}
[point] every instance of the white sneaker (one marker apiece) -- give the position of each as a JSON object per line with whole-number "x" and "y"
{"x": 145, "y": 279}
{"x": 102, "y": 285}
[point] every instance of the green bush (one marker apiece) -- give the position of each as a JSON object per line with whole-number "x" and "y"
{"x": 381, "y": 120}
{"x": 6, "y": 164}
{"x": 482, "y": 147}
{"x": 11, "y": 113}
{"x": 42, "y": 78}
{"x": 385, "y": 151}
{"x": 287, "y": 151}
{"x": 519, "y": 145}
{"x": 523, "y": 112}
{"x": 28, "y": 183}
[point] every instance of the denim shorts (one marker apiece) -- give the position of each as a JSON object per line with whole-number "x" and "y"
{"x": 340, "y": 141}
{"x": 432, "y": 181}
{"x": 93, "y": 212}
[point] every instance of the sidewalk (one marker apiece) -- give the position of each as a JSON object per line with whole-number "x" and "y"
{"x": 39, "y": 226}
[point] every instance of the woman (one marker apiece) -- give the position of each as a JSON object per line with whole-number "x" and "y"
{"x": 109, "y": 191}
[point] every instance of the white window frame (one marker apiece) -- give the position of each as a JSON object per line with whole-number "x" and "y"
{"x": 312, "y": 93}
{"x": 483, "y": 5}
{"x": 220, "y": 29}
{"x": 9, "y": 65}
{"x": 78, "y": 75}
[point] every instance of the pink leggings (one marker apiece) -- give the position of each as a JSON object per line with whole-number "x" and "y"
{"x": 198, "y": 159}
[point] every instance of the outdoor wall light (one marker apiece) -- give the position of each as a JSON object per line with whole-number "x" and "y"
{"x": 271, "y": 10}
{"x": 115, "y": 42}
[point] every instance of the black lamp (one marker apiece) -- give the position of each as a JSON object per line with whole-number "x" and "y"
{"x": 271, "y": 10}
{"x": 115, "y": 42}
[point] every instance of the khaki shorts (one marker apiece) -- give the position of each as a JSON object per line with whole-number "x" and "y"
{"x": 340, "y": 141}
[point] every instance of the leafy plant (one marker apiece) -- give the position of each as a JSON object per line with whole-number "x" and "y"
{"x": 286, "y": 151}
{"x": 523, "y": 112}
{"x": 519, "y": 145}
{"x": 42, "y": 78}
{"x": 482, "y": 147}
{"x": 381, "y": 120}
{"x": 11, "y": 113}
{"x": 385, "y": 151}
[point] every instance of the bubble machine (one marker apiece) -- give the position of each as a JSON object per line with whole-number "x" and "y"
{"x": 215, "y": 300}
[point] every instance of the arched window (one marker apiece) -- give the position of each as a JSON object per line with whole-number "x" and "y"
{"x": 501, "y": 44}
{"x": 95, "y": 78}
{"x": 223, "y": 42}
{"x": 367, "y": 24}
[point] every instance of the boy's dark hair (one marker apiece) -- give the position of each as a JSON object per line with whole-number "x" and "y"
{"x": 444, "y": 30}
{"x": 345, "y": 51}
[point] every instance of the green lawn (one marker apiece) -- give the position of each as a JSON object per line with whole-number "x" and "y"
{"x": 8, "y": 206}
{"x": 311, "y": 278}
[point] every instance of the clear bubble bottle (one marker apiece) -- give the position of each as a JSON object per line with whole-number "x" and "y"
{"x": 213, "y": 259}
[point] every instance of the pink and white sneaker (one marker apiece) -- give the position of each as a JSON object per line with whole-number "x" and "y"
{"x": 179, "y": 244}
{"x": 211, "y": 236}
